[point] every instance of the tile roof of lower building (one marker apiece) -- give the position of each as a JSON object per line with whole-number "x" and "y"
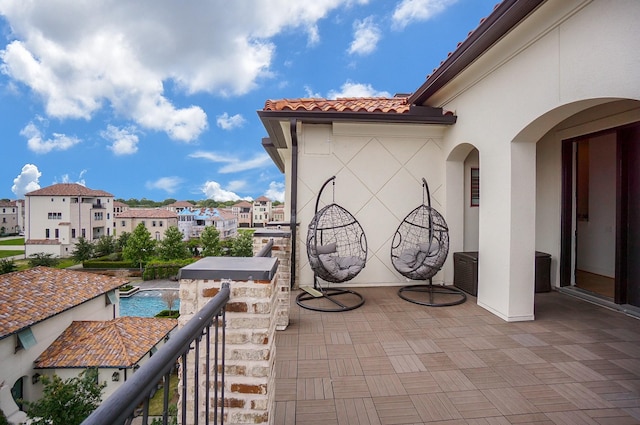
{"x": 68, "y": 189}
{"x": 31, "y": 296}
{"x": 147, "y": 213}
{"x": 121, "y": 342}
{"x": 397, "y": 105}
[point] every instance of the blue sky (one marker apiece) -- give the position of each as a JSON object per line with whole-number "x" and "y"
{"x": 160, "y": 102}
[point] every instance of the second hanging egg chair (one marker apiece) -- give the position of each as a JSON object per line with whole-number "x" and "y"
{"x": 418, "y": 251}
{"x": 337, "y": 251}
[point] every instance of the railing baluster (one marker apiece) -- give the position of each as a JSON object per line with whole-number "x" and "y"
{"x": 196, "y": 381}
{"x": 120, "y": 407}
{"x": 207, "y": 380}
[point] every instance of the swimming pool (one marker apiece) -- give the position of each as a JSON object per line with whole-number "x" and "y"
{"x": 145, "y": 303}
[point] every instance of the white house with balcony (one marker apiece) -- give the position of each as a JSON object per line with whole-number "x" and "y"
{"x": 528, "y": 134}
{"x": 57, "y": 216}
{"x": 36, "y": 307}
{"x": 193, "y": 221}
{"x": 262, "y": 211}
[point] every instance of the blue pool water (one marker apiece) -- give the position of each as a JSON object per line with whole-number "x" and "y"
{"x": 145, "y": 304}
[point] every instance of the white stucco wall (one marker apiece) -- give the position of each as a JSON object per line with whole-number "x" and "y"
{"x": 551, "y": 67}
{"x": 378, "y": 171}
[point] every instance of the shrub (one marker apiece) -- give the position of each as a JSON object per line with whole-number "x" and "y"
{"x": 171, "y": 314}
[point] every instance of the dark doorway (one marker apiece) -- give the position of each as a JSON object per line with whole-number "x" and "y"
{"x": 601, "y": 214}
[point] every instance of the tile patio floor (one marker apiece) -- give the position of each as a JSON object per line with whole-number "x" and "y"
{"x": 395, "y": 362}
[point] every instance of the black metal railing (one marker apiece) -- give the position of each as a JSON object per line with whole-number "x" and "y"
{"x": 266, "y": 250}
{"x": 132, "y": 398}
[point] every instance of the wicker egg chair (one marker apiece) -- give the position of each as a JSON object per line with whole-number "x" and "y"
{"x": 419, "y": 249}
{"x": 337, "y": 251}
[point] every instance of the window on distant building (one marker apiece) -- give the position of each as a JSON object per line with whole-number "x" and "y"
{"x": 98, "y": 215}
{"x": 153, "y": 223}
{"x": 84, "y": 233}
{"x": 57, "y": 233}
{"x": 46, "y": 233}
{"x": 73, "y": 233}
{"x": 54, "y": 216}
{"x": 25, "y": 340}
{"x": 123, "y": 223}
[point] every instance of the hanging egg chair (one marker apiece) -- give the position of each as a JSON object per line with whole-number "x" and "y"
{"x": 418, "y": 251}
{"x": 337, "y": 251}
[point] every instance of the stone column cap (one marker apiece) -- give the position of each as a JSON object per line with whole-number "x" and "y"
{"x": 233, "y": 268}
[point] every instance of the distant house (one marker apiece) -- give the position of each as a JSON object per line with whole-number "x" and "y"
{"x": 156, "y": 220}
{"x": 36, "y": 307}
{"x": 11, "y": 217}
{"x": 261, "y": 211}
{"x": 243, "y": 210}
{"x": 178, "y": 206}
{"x": 193, "y": 221}
{"x": 116, "y": 348}
{"x": 119, "y": 207}
{"x": 58, "y": 215}
{"x": 278, "y": 213}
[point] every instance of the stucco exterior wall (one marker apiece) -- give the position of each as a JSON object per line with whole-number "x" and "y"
{"x": 565, "y": 58}
{"x": 378, "y": 171}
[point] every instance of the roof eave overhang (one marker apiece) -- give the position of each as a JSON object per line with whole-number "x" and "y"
{"x": 502, "y": 20}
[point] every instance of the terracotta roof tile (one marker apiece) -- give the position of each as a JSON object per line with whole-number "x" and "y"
{"x": 68, "y": 189}
{"x": 120, "y": 204}
{"x": 181, "y": 204}
{"x": 242, "y": 204}
{"x": 397, "y": 105}
{"x": 147, "y": 213}
{"x": 30, "y": 296}
{"x": 120, "y": 342}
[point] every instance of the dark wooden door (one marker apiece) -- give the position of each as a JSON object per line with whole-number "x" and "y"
{"x": 628, "y": 232}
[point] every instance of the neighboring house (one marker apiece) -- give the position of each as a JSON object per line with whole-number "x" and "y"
{"x": 178, "y": 206}
{"x": 277, "y": 213}
{"x": 156, "y": 220}
{"x": 116, "y": 348}
{"x": 497, "y": 130}
{"x": 193, "y": 221}
{"x": 119, "y": 207}
{"x": 11, "y": 217}
{"x": 58, "y": 215}
{"x": 243, "y": 210}
{"x": 261, "y": 211}
{"x": 36, "y": 306}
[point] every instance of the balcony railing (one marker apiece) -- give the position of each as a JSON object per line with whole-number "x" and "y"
{"x": 132, "y": 398}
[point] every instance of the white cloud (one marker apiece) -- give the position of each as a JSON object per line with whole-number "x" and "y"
{"x": 37, "y": 144}
{"x": 66, "y": 179}
{"x": 96, "y": 56}
{"x": 409, "y": 11}
{"x": 234, "y": 165}
{"x": 168, "y": 184}
{"x": 124, "y": 140}
{"x": 236, "y": 185}
{"x": 226, "y": 122}
{"x": 27, "y": 181}
{"x": 275, "y": 191}
{"x": 213, "y": 190}
{"x": 351, "y": 89}
{"x": 365, "y": 37}
{"x": 310, "y": 93}
{"x": 259, "y": 161}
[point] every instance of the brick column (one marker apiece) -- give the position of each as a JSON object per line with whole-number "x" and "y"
{"x": 282, "y": 251}
{"x": 249, "y": 387}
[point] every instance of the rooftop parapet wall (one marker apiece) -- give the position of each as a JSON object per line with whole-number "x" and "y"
{"x": 249, "y": 386}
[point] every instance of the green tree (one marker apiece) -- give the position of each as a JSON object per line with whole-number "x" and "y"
{"x": 122, "y": 241}
{"x": 193, "y": 245}
{"x": 83, "y": 250}
{"x": 3, "y": 418}
{"x": 105, "y": 245}
{"x": 242, "y": 245}
{"x": 43, "y": 259}
{"x": 210, "y": 241}
{"x": 140, "y": 247}
{"x": 172, "y": 247}
{"x": 7, "y": 266}
{"x": 67, "y": 402}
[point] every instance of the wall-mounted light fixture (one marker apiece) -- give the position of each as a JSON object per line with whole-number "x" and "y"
{"x": 35, "y": 378}
{"x": 115, "y": 377}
